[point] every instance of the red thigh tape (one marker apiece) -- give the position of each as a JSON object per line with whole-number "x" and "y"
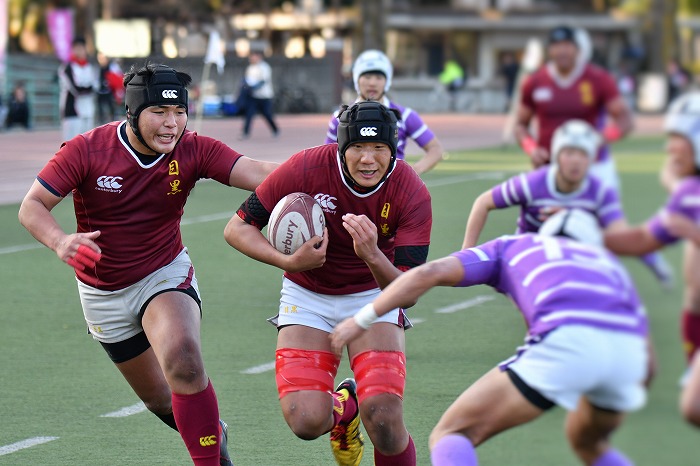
{"x": 378, "y": 372}
{"x": 298, "y": 369}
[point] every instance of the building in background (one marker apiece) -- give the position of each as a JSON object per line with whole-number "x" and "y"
{"x": 308, "y": 38}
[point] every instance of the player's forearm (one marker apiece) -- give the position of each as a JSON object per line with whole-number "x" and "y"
{"x": 248, "y": 173}
{"x": 477, "y": 220}
{"x": 250, "y": 241}
{"x": 40, "y": 223}
{"x": 521, "y": 133}
{"x": 411, "y": 285}
{"x": 382, "y": 269}
{"x": 433, "y": 156}
{"x": 475, "y": 224}
{"x": 630, "y": 241}
{"x": 405, "y": 290}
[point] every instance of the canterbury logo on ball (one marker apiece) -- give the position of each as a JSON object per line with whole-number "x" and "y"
{"x": 110, "y": 182}
{"x": 170, "y": 94}
{"x": 368, "y": 131}
{"x": 207, "y": 441}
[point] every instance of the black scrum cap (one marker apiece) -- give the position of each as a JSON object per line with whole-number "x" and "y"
{"x": 163, "y": 87}
{"x": 368, "y": 121}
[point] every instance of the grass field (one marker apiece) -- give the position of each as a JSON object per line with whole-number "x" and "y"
{"x": 58, "y": 383}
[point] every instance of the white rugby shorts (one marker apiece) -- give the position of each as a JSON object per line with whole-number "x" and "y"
{"x": 608, "y": 367}
{"x": 299, "y": 306}
{"x": 113, "y": 316}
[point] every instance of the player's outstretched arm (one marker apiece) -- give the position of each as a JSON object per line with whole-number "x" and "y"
{"x": 402, "y": 292}
{"x": 433, "y": 155}
{"x": 251, "y": 242}
{"x": 681, "y": 226}
{"x": 77, "y": 250}
{"x": 631, "y": 241}
{"x": 477, "y": 218}
{"x": 248, "y": 173}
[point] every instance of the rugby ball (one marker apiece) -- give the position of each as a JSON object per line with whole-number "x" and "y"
{"x": 294, "y": 220}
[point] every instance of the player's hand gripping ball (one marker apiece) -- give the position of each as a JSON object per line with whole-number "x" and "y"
{"x": 296, "y": 218}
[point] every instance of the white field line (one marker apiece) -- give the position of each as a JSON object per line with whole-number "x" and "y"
{"x": 464, "y": 305}
{"x": 207, "y": 218}
{"x": 22, "y": 247}
{"x": 224, "y": 215}
{"x": 30, "y": 442}
{"x": 467, "y": 177}
{"x": 127, "y": 411}
{"x": 268, "y": 366}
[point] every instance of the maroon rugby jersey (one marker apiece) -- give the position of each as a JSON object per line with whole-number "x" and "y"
{"x": 400, "y": 209}
{"x": 136, "y": 207}
{"x": 585, "y": 97}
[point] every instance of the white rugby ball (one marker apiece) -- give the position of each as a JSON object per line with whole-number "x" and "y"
{"x": 294, "y": 220}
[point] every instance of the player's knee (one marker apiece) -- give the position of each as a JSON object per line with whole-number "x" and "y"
{"x": 183, "y": 361}
{"x": 306, "y": 425}
{"x": 313, "y": 372}
{"x": 382, "y": 416}
{"x": 382, "y": 410}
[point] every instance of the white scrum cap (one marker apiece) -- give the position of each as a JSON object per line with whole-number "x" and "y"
{"x": 578, "y": 134}
{"x": 372, "y": 60}
{"x": 683, "y": 117}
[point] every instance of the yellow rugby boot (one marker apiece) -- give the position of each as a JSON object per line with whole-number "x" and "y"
{"x": 347, "y": 441}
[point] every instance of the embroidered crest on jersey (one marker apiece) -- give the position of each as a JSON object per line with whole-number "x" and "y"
{"x": 385, "y": 229}
{"x": 327, "y": 202}
{"x": 109, "y": 184}
{"x": 174, "y": 187}
{"x": 385, "y": 210}
{"x": 586, "y": 91}
{"x": 173, "y": 168}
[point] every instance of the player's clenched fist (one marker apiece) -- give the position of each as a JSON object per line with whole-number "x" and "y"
{"x": 79, "y": 250}
{"x": 364, "y": 234}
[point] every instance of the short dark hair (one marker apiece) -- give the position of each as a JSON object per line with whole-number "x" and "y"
{"x": 79, "y": 41}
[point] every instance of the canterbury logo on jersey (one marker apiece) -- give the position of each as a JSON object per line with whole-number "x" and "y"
{"x": 368, "y": 131}
{"x": 208, "y": 441}
{"x": 169, "y": 94}
{"x": 326, "y": 201}
{"x": 110, "y": 184}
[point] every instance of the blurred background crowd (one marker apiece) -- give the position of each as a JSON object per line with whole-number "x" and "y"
{"x": 449, "y": 55}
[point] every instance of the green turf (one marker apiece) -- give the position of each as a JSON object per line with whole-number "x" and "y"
{"x": 57, "y": 381}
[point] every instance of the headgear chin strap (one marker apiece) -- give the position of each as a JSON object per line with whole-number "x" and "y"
{"x": 162, "y": 86}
